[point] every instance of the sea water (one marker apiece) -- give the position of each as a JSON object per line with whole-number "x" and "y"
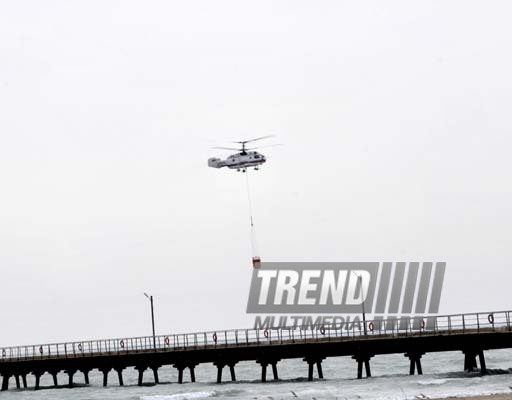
{"x": 443, "y": 377}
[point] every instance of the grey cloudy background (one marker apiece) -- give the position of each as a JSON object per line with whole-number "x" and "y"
{"x": 395, "y": 120}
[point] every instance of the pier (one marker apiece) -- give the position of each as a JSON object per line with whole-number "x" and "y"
{"x": 414, "y": 337}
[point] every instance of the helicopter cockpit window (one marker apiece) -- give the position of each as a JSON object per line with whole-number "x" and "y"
{"x": 256, "y": 156}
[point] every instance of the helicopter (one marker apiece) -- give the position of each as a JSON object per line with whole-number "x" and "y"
{"x": 242, "y": 160}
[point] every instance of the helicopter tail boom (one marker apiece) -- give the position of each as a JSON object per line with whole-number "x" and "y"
{"x": 215, "y": 162}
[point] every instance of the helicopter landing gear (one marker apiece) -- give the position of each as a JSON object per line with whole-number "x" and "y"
{"x": 244, "y": 170}
{"x": 256, "y": 168}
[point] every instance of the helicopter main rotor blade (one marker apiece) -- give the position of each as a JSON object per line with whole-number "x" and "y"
{"x": 253, "y": 140}
{"x": 262, "y": 147}
{"x": 227, "y": 148}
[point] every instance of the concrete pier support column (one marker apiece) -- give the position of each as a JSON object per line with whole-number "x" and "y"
{"x": 367, "y": 368}
{"x": 85, "y": 372}
{"x": 319, "y": 369}
{"x": 70, "y": 377}
{"x": 264, "y": 364}
{"x": 219, "y": 373}
{"x": 105, "y": 372}
{"x": 5, "y": 382}
{"x": 310, "y": 371}
{"x": 180, "y": 367}
{"x": 311, "y": 365}
{"x": 414, "y": 362}
{"x": 17, "y": 377}
{"x": 481, "y": 359}
{"x": 263, "y": 372}
{"x": 274, "y": 371}
{"x": 418, "y": 366}
{"x": 469, "y": 360}
{"x": 415, "y": 365}
{"x": 141, "y": 370}
{"x": 155, "y": 374}
{"x": 55, "y": 379}
{"x": 120, "y": 376}
{"x": 363, "y": 359}
{"x": 38, "y": 380}
{"x": 24, "y": 380}
{"x": 232, "y": 372}
{"x": 220, "y": 366}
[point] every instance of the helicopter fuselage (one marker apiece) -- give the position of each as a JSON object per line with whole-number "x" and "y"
{"x": 239, "y": 161}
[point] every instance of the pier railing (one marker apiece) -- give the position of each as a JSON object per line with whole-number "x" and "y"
{"x": 318, "y": 330}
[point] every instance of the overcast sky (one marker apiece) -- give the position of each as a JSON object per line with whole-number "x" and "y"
{"x": 395, "y": 120}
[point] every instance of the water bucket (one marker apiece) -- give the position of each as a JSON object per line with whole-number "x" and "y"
{"x": 256, "y": 262}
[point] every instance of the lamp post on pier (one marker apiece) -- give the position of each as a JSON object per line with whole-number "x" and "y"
{"x": 360, "y": 280}
{"x": 150, "y": 298}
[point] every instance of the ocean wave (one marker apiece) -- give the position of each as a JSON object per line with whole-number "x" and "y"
{"x": 433, "y": 382}
{"x": 227, "y": 392}
{"x": 180, "y": 396}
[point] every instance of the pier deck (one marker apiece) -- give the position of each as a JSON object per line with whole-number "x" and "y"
{"x": 471, "y": 334}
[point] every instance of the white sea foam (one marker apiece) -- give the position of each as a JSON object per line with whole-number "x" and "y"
{"x": 180, "y": 396}
{"x": 433, "y": 382}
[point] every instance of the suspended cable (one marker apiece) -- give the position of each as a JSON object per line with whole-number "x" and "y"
{"x": 256, "y": 260}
